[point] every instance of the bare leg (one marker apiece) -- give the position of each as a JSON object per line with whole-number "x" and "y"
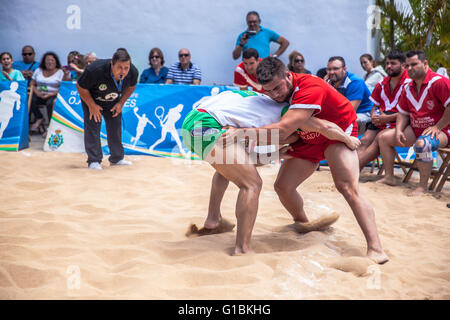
{"x": 247, "y": 179}
{"x": 369, "y": 149}
{"x": 426, "y": 167}
{"x": 387, "y": 144}
{"x": 218, "y": 187}
{"x": 344, "y": 169}
{"x": 292, "y": 173}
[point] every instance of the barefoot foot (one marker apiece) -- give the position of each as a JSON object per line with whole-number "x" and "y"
{"x": 419, "y": 191}
{"x": 224, "y": 226}
{"x": 241, "y": 252}
{"x": 319, "y": 224}
{"x": 390, "y": 181}
{"x": 377, "y": 256}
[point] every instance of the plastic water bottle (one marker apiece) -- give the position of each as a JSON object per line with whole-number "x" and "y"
{"x": 377, "y": 112}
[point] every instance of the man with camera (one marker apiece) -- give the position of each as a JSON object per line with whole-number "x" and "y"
{"x": 258, "y": 38}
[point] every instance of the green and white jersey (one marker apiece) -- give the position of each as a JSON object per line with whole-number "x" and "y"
{"x": 243, "y": 109}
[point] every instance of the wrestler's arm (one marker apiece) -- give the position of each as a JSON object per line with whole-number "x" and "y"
{"x": 303, "y": 119}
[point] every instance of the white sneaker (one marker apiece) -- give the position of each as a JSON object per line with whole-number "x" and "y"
{"x": 122, "y": 163}
{"x": 95, "y": 166}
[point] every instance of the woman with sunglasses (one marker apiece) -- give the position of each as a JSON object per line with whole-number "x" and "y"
{"x": 157, "y": 73}
{"x": 297, "y": 63}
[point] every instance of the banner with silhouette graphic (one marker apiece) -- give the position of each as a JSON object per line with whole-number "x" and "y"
{"x": 13, "y": 115}
{"x": 151, "y": 119}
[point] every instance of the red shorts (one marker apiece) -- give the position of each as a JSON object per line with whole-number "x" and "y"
{"x": 315, "y": 152}
{"x": 446, "y": 130}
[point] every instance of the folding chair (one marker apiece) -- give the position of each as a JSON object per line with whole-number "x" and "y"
{"x": 435, "y": 174}
{"x": 397, "y": 161}
{"x": 442, "y": 175}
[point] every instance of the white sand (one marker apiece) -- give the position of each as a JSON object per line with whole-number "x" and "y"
{"x": 124, "y": 229}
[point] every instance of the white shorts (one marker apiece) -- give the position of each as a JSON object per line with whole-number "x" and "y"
{"x": 364, "y": 117}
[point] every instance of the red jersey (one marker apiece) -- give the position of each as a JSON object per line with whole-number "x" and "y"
{"x": 426, "y": 108}
{"x": 242, "y": 78}
{"x": 311, "y": 92}
{"x": 382, "y": 98}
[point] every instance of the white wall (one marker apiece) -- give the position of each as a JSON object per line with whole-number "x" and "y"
{"x": 318, "y": 29}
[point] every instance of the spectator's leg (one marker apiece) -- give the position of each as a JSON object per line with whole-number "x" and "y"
{"x": 368, "y": 150}
{"x": 387, "y": 143}
{"x": 34, "y": 109}
{"x": 425, "y": 167}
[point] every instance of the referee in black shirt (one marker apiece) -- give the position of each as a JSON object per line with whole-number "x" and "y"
{"x": 104, "y": 87}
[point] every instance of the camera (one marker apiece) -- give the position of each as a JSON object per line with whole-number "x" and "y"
{"x": 250, "y": 33}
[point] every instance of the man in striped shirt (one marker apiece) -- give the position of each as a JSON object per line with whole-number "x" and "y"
{"x": 184, "y": 72}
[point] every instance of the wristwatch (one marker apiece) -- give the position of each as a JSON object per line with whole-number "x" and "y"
{"x": 275, "y": 56}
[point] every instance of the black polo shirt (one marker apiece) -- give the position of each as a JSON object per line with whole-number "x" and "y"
{"x": 98, "y": 79}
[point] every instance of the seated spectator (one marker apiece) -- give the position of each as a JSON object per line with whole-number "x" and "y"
{"x": 75, "y": 66}
{"x": 89, "y": 58}
{"x": 441, "y": 70}
{"x": 45, "y": 83}
{"x": 245, "y": 72}
{"x": 385, "y": 97}
{"x": 352, "y": 87}
{"x": 297, "y": 63}
{"x": 184, "y": 72}
{"x": 258, "y": 38}
{"x": 374, "y": 73}
{"x": 8, "y": 73}
{"x": 28, "y": 65}
{"x": 422, "y": 121}
{"x": 157, "y": 73}
{"x": 322, "y": 73}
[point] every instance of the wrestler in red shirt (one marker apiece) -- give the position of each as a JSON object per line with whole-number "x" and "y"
{"x": 311, "y": 96}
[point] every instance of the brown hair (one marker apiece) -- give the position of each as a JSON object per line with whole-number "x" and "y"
{"x": 294, "y": 54}
{"x": 369, "y": 57}
{"x": 159, "y": 52}
{"x": 3, "y": 53}
{"x": 268, "y": 68}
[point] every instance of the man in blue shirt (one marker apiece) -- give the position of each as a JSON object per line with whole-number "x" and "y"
{"x": 352, "y": 87}
{"x": 28, "y": 65}
{"x": 258, "y": 38}
{"x": 184, "y": 72}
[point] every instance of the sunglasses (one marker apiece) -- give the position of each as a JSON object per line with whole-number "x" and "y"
{"x": 184, "y": 55}
{"x": 27, "y": 53}
{"x": 155, "y": 57}
{"x": 299, "y": 60}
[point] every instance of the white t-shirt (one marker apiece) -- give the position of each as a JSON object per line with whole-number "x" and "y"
{"x": 51, "y": 83}
{"x": 243, "y": 109}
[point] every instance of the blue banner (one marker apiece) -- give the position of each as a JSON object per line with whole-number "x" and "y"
{"x": 13, "y": 115}
{"x": 151, "y": 119}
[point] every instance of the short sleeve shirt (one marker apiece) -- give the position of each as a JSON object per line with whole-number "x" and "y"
{"x": 187, "y": 76}
{"x": 383, "y": 98}
{"x": 311, "y": 92}
{"x": 243, "y": 78}
{"x": 47, "y": 84}
{"x": 15, "y": 75}
{"x": 260, "y": 41}
{"x": 98, "y": 79}
{"x": 149, "y": 75}
{"x": 426, "y": 108}
{"x": 20, "y": 65}
{"x": 354, "y": 88}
